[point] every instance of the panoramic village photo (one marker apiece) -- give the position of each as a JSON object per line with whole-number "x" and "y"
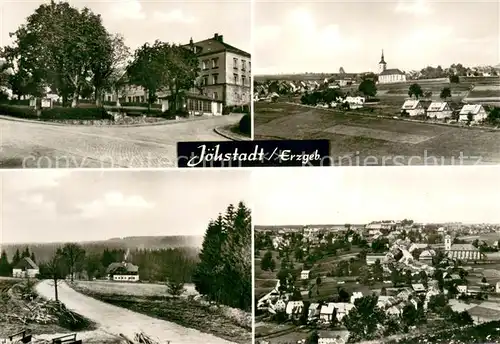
{"x": 409, "y": 82}
{"x": 118, "y": 84}
{"x": 125, "y": 257}
{"x": 371, "y": 255}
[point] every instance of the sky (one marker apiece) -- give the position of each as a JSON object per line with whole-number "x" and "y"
{"x": 301, "y": 196}
{"x": 62, "y": 206}
{"x": 322, "y": 36}
{"x": 142, "y": 21}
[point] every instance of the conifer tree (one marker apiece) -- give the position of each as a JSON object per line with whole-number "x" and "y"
{"x": 5, "y": 268}
{"x": 17, "y": 258}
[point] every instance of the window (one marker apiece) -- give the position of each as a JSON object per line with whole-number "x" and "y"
{"x": 215, "y": 78}
{"x": 207, "y": 106}
{"x": 235, "y": 63}
{"x": 215, "y": 62}
{"x": 249, "y": 66}
{"x": 243, "y": 65}
{"x": 215, "y": 95}
{"x": 235, "y": 78}
{"x": 243, "y": 80}
{"x": 109, "y": 98}
{"x": 205, "y": 80}
{"x": 204, "y": 64}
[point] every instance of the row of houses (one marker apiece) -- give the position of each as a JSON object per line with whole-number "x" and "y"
{"x": 443, "y": 110}
{"x": 120, "y": 271}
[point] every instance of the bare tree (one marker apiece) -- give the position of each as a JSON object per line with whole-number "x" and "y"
{"x": 74, "y": 256}
{"x": 56, "y": 268}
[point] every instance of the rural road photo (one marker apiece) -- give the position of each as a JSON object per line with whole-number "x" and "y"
{"x": 114, "y": 259}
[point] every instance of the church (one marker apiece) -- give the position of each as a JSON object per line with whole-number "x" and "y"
{"x": 388, "y": 76}
{"x": 463, "y": 252}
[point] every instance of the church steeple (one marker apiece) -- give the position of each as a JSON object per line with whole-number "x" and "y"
{"x": 382, "y": 65}
{"x": 382, "y": 61}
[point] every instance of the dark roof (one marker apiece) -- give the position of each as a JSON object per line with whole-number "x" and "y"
{"x": 391, "y": 71}
{"x": 129, "y": 267}
{"x": 26, "y": 263}
{"x": 216, "y": 44}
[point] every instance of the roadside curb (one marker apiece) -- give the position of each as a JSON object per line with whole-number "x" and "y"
{"x": 230, "y": 136}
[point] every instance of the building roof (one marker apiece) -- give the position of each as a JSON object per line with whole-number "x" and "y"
{"x": 437, "y": 106}
{"x": 418, "y": 287}
{"x": 463, "y": 247}
{"x": 471, "y": 109}
{"x": 129, "y": 267}
{"x": 392, "y": 71}
{"x": 343, "y": 307}
{"x": 293, "y": 306}
{"x": 25, "y": 264}
{"x": 216, "y": 44}
{"x": 410, "y": 104}
{"x": 328, "y": 308}
{"x": 314, "y": 306}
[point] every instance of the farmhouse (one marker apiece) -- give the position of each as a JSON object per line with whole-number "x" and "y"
{"x": 355, "y": 102}
{"x": 123, "y": 272}
{"x": 464, "y": 252}
{"x": 413, "y": 108}
{"x": 439, "y": 110}
{"x": 294, "y": 308}
{"x": 25, "y": 268}
{"x": 476, "y": 110}
{"x": 388, "y": 76}
{"x": 326, "y": 313}
{"x": 305, "y": 274}
{"x": 314, "y": 311}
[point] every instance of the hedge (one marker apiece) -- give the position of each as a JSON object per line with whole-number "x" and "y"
{"x": 236, "y": 109}
{"x": 245, "y": 125}
{"x": 19, "y": 112}
{"x": 57, "y": 114}
{"x": 132, "y": 104}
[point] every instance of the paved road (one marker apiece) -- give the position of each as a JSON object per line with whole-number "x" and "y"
{"x": 115, "y": 320}
{"x": 34, "y": 145}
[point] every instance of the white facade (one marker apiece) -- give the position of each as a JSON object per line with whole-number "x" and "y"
{"x": 20, "y": 273}
{"x": 304, "y": 274}
{"x": 413, "y": 108}
{"x": 476, "y": 110}
{"x": 391, "y": 78}
{"x": 439, "y": 110}
{"x": 126, "y": 278}
{"x": 447, "y": 243}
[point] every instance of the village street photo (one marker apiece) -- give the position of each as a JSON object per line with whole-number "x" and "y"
{"x": 125, "y": 257}
{"x": 106, "y": 84}
{"x": 403, "y": 84}
{"x": 374, "y": 255}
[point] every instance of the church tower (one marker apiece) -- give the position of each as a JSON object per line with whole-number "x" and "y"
{"x": 382, "y": 65}
{"x": 447, "y": 242}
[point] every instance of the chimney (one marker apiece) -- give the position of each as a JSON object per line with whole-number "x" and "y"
{"x": 218, "y": 37}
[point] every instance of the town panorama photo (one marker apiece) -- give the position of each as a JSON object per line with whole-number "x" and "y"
{"x": 119, "y": 83}
{"x": 402, "y": 82}
{"x": 377, "y": 255}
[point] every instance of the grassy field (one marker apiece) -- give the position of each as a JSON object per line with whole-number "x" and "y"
{"x": 131, "y": 289}
{"x": 361, "y": 140}
{"x": 224, "y": 322}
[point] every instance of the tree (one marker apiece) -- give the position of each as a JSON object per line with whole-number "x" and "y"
{"x": 344, "y": 295}
{"x": 415, "y": 90}
{"x": 383, "y": 291}
{"x": 56, "y": 270}
{"x": 362, "y": 321}
{"x": 175, "y": 287}
{"x": 74, "y": 257}
{"x": 378, "y": 271}
{"x": 408, "y": 278}
{"x": 445, "y": 93}
{"x": 318, "y": 281}
{"x": 5, "y": 268}
{"x": 93, "y": 266}
{"x": 368, "y": 88}
{"x": 454, "y": 79}
{"x": 395, "y": 277}
{"x": 437, "y": 303}
{"x": 272, "y": 265}
{"x": 365, "y": 275}
{"x": 410, "y": 315}
{"x": 57, "y": 47}
{"x": 313, "y": 338}
{"x": 17, "y": 258}
{"x": 265, "y": 262}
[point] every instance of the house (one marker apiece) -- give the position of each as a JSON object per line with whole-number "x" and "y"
{"x": 126, "y": 272}
{"x": 413, "y": 107}
{"x": 463, "y": 252}
{"x": 305, "y": 274}
{"x": 26, "y": 268}
{"x": 342, "y": 309}
{"x": 294, "y": 308}
{"x": 195, "y": 104}
{"x": 355, "y": 102}
{"x": 388, "y": 76}
{"x": 477, "y": 112}
{"x": 280, "y": 305}
{"x": 462, "y": 289}
{"x": 314, "y": 312}
{"x": 439, "y": 110}
{"x": 418, "y": 288}
{"x": 426, "y": 256}
{"x": 356, "y": 295}
{"x": 326, "y": 312}
{"x": 372, "y": 258}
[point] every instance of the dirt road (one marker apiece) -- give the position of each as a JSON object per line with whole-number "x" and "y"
{"x": 115, "y": 320}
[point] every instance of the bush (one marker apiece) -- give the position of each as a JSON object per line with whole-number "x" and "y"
{"x": 25, "y": 102}
{"x": 132, "y": 104}
{"x": 226, "y": 110}
{"x": 19, "y": 112}
{"x": 245, "y": 125}
{"x": 87, "y": 113}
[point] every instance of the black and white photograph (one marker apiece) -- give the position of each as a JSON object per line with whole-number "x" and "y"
{"x": 388, "y": 83}
{"x": 374, "y": 255}
{"x": 125, "y": 257}
{"x": 119, "y": 83}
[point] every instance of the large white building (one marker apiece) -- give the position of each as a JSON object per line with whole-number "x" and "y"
{"x": 388, "y": 76}
{"x": 464, "y": 252}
